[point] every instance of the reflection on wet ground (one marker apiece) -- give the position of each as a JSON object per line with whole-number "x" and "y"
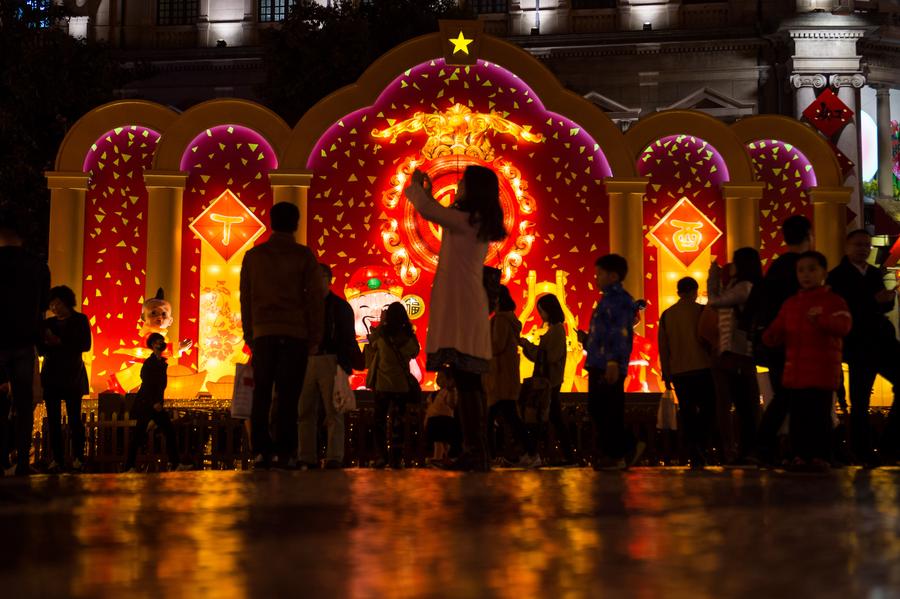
{"x": 648, "y": 533}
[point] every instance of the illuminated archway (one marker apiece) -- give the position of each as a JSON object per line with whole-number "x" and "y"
{"x": 442, "y": 117}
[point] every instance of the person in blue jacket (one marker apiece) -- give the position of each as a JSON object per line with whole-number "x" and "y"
{"x": 608, "y": 346}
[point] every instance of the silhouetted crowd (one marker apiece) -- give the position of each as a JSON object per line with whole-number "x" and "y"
{"x": 792, "y": 327}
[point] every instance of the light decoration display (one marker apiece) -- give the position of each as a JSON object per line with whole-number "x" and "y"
{"x": 461, "y": 43}
{"x": 441, "y": 118}
{"x": 226, "y": 199}
{"x": 457, "y": 137}
{"x": 227, "y": 225}
{"x": 787, "y": 175}
{"x": 685, "y": 232}
{"x": 115, "y": 245}
{"x": 684, "y": 216}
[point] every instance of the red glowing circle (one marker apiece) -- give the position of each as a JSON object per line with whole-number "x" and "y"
{"x": 424, "y": 238}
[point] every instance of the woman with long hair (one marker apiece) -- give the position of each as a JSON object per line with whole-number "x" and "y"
{"x": 459, "y": 332}
{"x": 549, "y": 358}
{"x": 392, "y": 344}
{"x": 734, "y": 370}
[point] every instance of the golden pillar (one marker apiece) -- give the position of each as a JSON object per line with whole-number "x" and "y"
{"x": 626, "y": 227}
{"x": 830, "y": 220}
{"x": 293, "y": 187}
{"x": 164, "y": 220}
{"x": 66, "y": 247}
{"x": 741, "y": 215}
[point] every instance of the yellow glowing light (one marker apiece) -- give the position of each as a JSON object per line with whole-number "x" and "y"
{"x": 461, "y": 43}
{"x": 687, "y": 238}
{"x": 215, "y": 269}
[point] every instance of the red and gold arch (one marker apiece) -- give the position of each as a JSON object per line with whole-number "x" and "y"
{"x": 143, "y": 197}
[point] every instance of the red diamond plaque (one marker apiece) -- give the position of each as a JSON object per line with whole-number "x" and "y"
{"x": 685, "y": 232}
{"x": 828, "y": 113}
{"x": 227, "y": 225}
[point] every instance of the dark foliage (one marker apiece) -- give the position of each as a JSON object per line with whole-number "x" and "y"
{"x": 48, "y": 80}
{"x": 318, "y": 50}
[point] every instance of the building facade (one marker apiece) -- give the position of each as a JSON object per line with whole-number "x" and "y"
{"x": 632, "y": 58}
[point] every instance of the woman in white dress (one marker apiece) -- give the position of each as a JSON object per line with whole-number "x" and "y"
{"x": 459, "y": 330}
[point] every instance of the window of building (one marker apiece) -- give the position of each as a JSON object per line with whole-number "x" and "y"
{"x": 491, "y": 6}
{"x": 176, "y": 12}
{"x": 578, "y": 4}
{"x": 275, "y": 10}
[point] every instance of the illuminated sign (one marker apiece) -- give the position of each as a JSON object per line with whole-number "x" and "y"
{"x": 685, "y": 232}
{"x": 227, "y": 225}
{"x": 461, "y": 43}
{"x": 457, "y": 137}
{"x": 415, "y": 306}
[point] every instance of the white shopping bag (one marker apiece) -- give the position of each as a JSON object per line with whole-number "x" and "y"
{"x": 667, "y": 412}
{"x": 343, "y": 397}
{"x": 242, "y": 395}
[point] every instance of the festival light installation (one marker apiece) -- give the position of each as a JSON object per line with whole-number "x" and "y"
{"x": 441, "y": 118}
{"x": 456, "y": 138}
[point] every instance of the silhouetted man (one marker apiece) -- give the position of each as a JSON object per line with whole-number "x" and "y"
{"x": 23, "y": 303}
{"x": 337, "y": 350}
{"x": 765, "y": 301}
{"x": 282, "y": 310}
{"x": 871, "y": 348}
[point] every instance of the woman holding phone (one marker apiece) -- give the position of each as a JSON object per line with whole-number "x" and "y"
{"x": 459, "y": 330}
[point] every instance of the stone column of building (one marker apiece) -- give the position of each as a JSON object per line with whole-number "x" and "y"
{"x": 805, "y": 87}
{"x": 885, "y": 152}
{"x": 741, "y": 215}
{"x": 829, "y": 218}
{"x": 164, "y": 220}
{"x": 827, "y": 44}
{"x": 626, "y": 227}
{"x": 66, "y": 242}
{"x": 849, "y": 140}
{"x": 293, "y": 187}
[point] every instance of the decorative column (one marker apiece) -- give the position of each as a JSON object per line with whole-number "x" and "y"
{"x": 805, "y": 87}
{"x": 66, "y": 247}
{"x": 293, "y": 187}
{"x": 849, "y": 140}
{"x": 829, "y": 220}
{"x": 741, "y": 215}
{"x": 885, "y": 157}
{"x": 164, "y": 220}
{"x": 626, "y": 227}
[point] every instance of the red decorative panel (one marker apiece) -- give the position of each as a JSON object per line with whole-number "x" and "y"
{"x": 679, "y": 167}
{"x": 787, "y": 176}
{"x": 828, "y": 113}
{"x": 225, "y": 158}
{"x": 115, "y": 244}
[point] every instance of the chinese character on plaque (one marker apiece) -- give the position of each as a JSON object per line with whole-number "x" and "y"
{"x": 685, "y": 232}
{"x": 828, "y": 113}
{"x": 227, "y": 225}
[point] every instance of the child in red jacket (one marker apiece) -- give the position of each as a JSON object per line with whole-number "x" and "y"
{"x": 811, "y": 326}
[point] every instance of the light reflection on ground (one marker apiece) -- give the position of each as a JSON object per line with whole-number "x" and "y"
{"x": 418, "y": 533}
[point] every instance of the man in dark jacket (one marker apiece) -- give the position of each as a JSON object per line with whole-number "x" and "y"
{"x": 282, "y": 312}
{"x": 337, "y": 350}
{"x": 23, "y": 303}
{"x": 871, "y": 348}
{"x": 763, "y": 306}
{"x": 66, "y": 336}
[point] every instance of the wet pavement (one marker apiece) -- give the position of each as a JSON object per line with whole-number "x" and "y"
{"x": 648, "y": 533}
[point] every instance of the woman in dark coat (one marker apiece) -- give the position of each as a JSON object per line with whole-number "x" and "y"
{"x": 66, "y": 336}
